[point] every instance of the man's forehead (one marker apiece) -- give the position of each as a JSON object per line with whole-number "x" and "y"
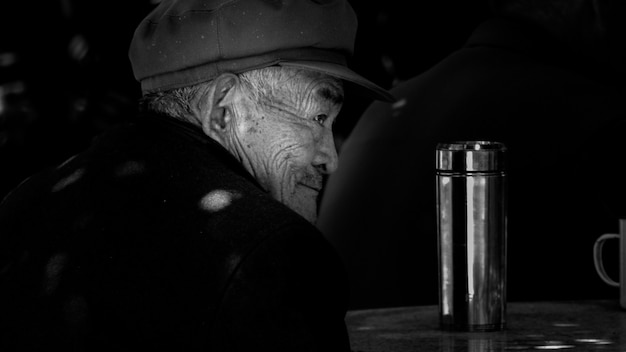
{"x": 305, "y": 84}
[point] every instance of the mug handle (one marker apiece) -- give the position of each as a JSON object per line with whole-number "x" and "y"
{"x": 597, "y": 258}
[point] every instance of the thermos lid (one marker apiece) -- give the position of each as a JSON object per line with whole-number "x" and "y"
{"x": 468, "y": 156}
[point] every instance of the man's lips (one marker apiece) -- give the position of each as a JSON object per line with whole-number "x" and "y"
{"x": 314, "y": 187}
{"x": 312, "y": 183}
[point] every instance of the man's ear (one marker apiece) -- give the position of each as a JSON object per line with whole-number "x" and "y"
{"x": 220, "y": 113}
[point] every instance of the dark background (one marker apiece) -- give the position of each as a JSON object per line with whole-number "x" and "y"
{"x": 65, "y": 74}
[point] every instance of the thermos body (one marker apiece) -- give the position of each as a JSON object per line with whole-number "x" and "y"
{"x": 472, "y": 213}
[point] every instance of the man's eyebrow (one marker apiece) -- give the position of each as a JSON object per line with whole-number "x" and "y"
{"x": 331, "y": 94}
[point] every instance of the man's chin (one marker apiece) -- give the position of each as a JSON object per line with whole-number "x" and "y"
{"x": 310, "y": 216}
{"x": 304, "y": 202}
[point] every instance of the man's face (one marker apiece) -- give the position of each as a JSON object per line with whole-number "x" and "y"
{"x": 284, "y": 137}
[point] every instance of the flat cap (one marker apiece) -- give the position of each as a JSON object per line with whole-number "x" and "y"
{"x": 185, "y": 42}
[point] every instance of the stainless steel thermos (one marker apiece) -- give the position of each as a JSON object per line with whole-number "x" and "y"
{"x": 472, "y": 232}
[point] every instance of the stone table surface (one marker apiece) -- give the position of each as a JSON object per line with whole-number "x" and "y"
{"x": 595, "y": 325}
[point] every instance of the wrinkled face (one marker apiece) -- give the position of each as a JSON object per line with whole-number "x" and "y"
{"x": 283, "y": 135}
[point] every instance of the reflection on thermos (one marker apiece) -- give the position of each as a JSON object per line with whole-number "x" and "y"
{"x": 471, "y": 226}
{"x": 452, "y": 343}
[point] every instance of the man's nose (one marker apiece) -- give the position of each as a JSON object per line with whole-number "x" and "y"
{"x": 326, "y": 157}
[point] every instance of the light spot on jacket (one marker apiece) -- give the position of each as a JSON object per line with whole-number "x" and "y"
{"x": 52, "y": 275}
{"x": 398, "y": 106}
{"x": 66, "y": 181}
{"x": 130, "y": 168}
{"x": 232, "y": 262}
{"x": 217, "y": 200}
{"x": 67, "y": 161}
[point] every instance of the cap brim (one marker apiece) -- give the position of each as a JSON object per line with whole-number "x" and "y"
{"x": 342, "y": 72}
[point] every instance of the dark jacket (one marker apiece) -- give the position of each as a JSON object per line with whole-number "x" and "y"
{"x": 562, "y": 119}
{"x": 156, "y": 238}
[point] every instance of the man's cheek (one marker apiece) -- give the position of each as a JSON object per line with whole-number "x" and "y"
{"x": 293, "y": 158}
{"x": 293, "y": 148}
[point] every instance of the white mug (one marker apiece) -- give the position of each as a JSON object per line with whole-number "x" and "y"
{"x": 599, "y": 263}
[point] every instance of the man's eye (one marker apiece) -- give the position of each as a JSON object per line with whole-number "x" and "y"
{"x": 321, "y": 118}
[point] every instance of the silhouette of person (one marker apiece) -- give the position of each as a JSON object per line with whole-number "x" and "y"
{"x": 545, "y": 78}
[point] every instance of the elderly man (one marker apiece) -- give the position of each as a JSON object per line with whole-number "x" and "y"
{"x": 189, "y": 228}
